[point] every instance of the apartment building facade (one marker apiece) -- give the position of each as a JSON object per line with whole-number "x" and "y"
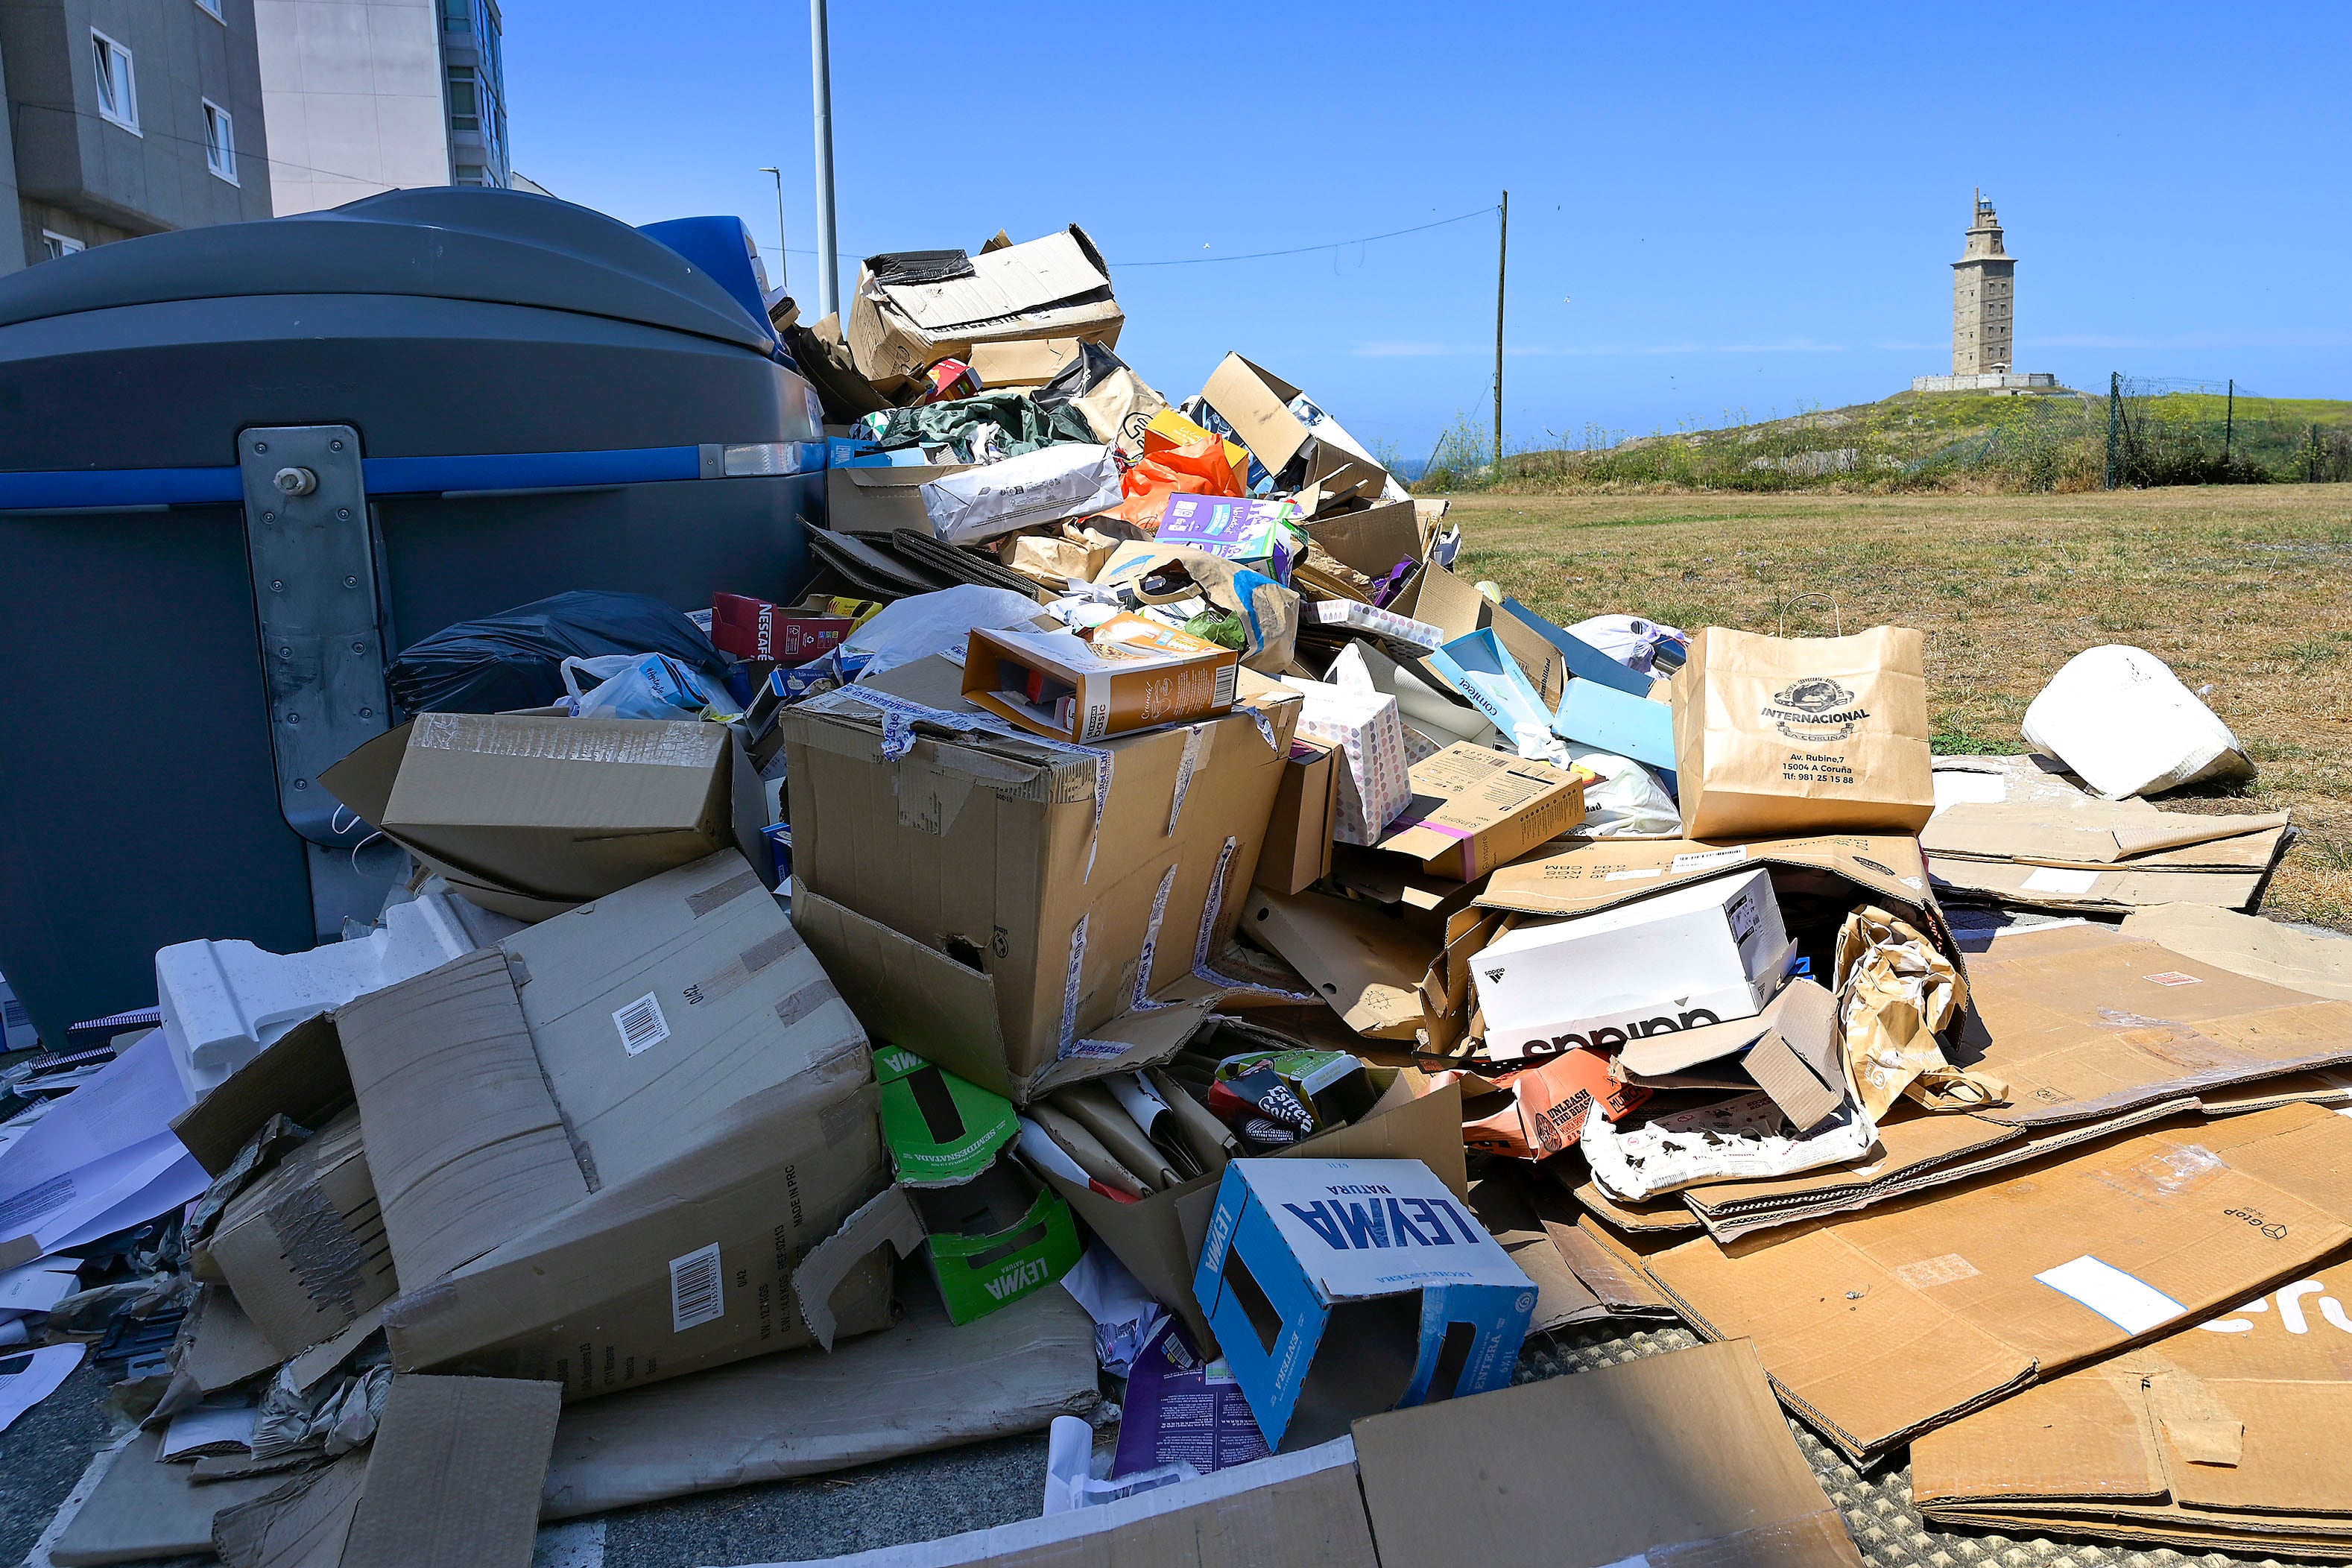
{"x": 362, "y": 96}
{"x": 127, "y": 117}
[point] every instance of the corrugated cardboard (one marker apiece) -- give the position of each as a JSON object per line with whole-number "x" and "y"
{"x": 300, "y": 1076}
{"x": 1255, "y": 403}
{"x": 1473, "y": 809}
{"x": 1370, "y": 967}
{"x": 144, "y": 1509}
{"x": 1022, "y": 361}
{"x": 1881, "y": 1327}
{"x": 920, "y": 1384}
{"x": 2284, "y": 956}
{"x": 1372, "y": 540}
{"x": 2226, "y": 1436}
{"x": 303, "y": 1247}
{"x": 529, "y": 815}
{"x": 1437, "y": 597}
{"x": 1915, "y": 1151}
{"x": 1664, "y": 1460}
{"x": 1297, "y": 852}
{"x": 975, "y": 908}
{"x": 870, "y": 500}
{"x": 1159, "y": 1238}
{"x": 2084, "y": 1024}
{"x": 1057, "y": 287}
{"x": 603, "y": 1147}
{"x": 454, "y": 1475}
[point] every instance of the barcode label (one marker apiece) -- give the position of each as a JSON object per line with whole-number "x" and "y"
{"x": 642, "y": 1024}
{"x": 694, "y": 1298}
{"x": 1227, "y": 676}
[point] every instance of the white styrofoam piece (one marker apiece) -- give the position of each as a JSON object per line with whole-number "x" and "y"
{"x": 2122, "y": 719}
{"x": 223, "y": 1001}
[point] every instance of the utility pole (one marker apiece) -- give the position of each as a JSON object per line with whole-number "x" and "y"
{"x": 1502, "y": 271}
{"x": 783, "y": 265}
{"x": 828, "y": 253}
{"x": 2229, "y": 425}
{"x": 2115, "y": 423}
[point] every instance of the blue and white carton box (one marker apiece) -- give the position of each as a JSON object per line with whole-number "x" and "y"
{"x": 1343, "y": 1288}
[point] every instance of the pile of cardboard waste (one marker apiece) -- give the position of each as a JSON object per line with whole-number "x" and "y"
{"x": 1143, "y": 945}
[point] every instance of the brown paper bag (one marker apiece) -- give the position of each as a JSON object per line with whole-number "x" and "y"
{"x": 1778, "y": 735}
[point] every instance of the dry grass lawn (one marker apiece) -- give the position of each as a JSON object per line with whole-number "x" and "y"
{"x": 2246, "y": 590}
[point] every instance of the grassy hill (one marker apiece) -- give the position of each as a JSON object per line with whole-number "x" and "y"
{"x": 2055, "y": 441}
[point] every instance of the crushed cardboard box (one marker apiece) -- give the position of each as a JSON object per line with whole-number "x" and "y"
{"x": 602, "y": 1148}
{"x": 1010, "y": 907}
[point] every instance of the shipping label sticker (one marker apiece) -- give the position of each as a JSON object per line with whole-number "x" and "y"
{"x": 696, "y": 1294}
{"x": 641, "y": 1025}
{"x": 1632, "y": 876}
{"x": 2173, "y": 977}
{"x": 1707, "y": 860}
{"x": 2130, "y": 1303}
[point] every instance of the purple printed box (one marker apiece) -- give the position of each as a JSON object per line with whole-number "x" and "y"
{"x": 1260, "y": 534}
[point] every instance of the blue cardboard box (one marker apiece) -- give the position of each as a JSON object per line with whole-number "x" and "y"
{"x": 1584, "y": 661}
{"x": 1343, "y": 1288}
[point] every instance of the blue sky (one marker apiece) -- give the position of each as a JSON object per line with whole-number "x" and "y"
{"x": 1714, "y": 209}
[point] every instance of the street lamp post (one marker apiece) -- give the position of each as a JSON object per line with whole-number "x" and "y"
{"x": 784, "y": 278}
{"x": 828, "y": 261}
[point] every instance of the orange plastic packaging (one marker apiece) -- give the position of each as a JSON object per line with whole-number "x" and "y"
{"x": 1197, "y": 467}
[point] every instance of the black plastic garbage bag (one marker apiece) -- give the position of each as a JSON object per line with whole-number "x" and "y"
{"x": 515, "y": 659}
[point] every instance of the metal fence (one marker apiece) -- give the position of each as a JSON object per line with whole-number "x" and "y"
{"x": 2165, "y": 431}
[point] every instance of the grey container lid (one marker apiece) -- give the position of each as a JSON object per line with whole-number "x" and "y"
{"x": 506, "y": 248}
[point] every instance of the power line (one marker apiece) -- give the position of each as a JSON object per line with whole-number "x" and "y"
{"x": 1306, "y": 249}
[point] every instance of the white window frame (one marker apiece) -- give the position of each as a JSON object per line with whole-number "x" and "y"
{"x": 61, "y": 245}
{"x": 128, "y": 117}
{"x": 214, "y": 112}
{"x": 212, "y": 8}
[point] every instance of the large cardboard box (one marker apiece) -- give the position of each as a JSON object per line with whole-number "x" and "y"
{"x": 602, "y": 1148}
{"x": 1010, "y": 907}
{"x": 1881, "y": 1327}
{"x": 1297, "y": 852}
{"x": 1057, "y": 287}
{"x": 1343, "y": 1288}
{"x": 528, "y": 815}
{"x": 1680, "y": 958}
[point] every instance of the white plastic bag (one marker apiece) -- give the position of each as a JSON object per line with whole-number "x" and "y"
{"x": 930, "y": 624}
{"x": 634, "y": 686}
{"x": 1629, "y": 639}
{"x": 1068, "y": 480}
{"x": 2120, "y": 718}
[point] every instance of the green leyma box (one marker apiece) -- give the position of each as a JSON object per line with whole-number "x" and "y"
{"x": 994, "y": 1234}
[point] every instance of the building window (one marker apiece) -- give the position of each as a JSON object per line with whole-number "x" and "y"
{"x": 220, "y": 142}
{"x": 457, "y": 16}
{"x": 471, "y": 174}
{"x": 118, "y": 88}
{"x": 58, "y": 244}
{"x": 212, "y": 8}
{"x": 465, "y": 102}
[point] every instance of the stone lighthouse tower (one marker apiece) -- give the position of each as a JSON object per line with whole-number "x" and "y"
{"x": 1984, "y": 317}
{"x": 1984, "y": 299}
